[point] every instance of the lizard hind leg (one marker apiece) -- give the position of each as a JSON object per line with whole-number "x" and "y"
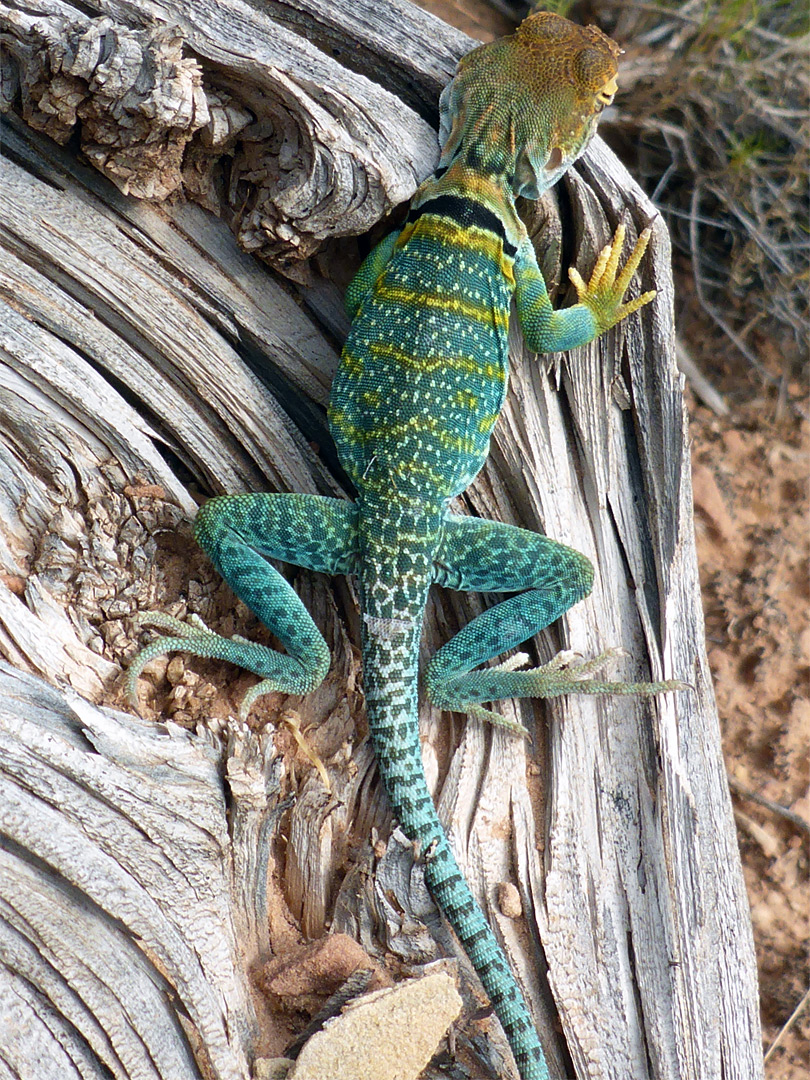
{"x": 239, "y": 533}
{"x": 548, "y": 578}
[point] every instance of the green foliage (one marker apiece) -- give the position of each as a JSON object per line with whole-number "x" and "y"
{"x": 559, "y": 7}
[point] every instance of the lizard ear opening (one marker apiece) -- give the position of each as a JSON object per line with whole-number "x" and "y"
{"x": 555, "y": 159}
{"x": 451, "y": 121}
{"x": 537, "y": 172}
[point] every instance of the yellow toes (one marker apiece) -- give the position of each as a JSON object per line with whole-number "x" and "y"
{"x": 604, "y": 292}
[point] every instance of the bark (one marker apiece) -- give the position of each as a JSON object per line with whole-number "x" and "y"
{"x": 150, "y": 867}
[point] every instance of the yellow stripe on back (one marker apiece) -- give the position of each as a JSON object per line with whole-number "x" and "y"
{"x": 420, "y": 299}
{"x": 468, "y": 365}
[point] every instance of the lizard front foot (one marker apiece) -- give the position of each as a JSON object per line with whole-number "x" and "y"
{"x": 604, "y": 292}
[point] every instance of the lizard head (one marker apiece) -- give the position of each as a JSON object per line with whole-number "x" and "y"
{"x": 527, "y": 106}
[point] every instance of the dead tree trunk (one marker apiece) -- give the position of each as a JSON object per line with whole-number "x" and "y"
{"x": 151, "y": 867}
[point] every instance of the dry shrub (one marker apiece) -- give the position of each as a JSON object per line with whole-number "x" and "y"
{"x": 714, "y": 98}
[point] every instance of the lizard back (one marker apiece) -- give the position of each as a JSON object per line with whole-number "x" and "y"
{"x": 424, "y": 370}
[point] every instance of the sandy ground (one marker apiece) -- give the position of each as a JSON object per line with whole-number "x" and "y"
{"x": 750, "y": 473}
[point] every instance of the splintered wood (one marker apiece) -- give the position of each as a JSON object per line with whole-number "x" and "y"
{"x": 148, "y": 871}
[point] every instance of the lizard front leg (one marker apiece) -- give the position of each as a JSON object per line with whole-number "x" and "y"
{"x": 370, "y": 270}
{"x": 240, "y": 533}
{"x": 601, "y": 302}
{"x": 487, "y": 556}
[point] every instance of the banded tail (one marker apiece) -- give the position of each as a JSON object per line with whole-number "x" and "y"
{"x": 396, "y": 572}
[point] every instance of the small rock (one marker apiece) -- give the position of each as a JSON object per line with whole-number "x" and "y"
{"x": 388, "y": 1035}
{"x": 509, "y": 900}
{"x": 303, "y": 979}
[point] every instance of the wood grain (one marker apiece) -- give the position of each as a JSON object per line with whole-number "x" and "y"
{"x": 145, "y": 360}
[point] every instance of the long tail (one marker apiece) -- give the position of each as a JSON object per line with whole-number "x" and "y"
{"x": 393, "y": 605}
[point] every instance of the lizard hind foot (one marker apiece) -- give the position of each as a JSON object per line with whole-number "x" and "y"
{"x": 266, "y": 686}
{"x": 181, "y": 635}
{"x": 192, "y": 636}
{"x": 565, "y": 674}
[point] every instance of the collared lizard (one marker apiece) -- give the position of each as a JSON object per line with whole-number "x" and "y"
{"x": 422, "y": 378}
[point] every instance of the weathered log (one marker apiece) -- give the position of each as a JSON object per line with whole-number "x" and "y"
{"x": 144, "y": 356}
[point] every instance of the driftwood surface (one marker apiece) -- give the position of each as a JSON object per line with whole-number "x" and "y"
{"x": 151, "y": 866}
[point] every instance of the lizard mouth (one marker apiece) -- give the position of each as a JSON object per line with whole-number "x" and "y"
{"x": 606, "y": 94}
